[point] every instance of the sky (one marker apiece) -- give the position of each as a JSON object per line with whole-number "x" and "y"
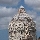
{"x": 9, "y": 8}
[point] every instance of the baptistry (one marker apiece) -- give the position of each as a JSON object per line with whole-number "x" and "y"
{"x": 22, "y": 26}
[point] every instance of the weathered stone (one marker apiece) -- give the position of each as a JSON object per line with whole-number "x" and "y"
{"x": 22, "y": 26}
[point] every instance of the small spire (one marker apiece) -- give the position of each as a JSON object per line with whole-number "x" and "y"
{"x": 21, "y": 6}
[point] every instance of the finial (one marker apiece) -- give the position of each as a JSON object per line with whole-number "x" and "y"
{"x": 22, "y": 10}
{"x": 21, "y": 6}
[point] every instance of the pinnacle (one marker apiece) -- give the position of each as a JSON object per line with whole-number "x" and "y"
{"x": 21, "y": 6}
